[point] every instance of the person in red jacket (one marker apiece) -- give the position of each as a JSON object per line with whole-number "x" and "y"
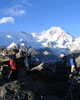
{"x": 13, "y": 66}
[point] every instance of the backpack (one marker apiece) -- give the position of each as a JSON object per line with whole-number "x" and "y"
{"x": 26, "y": 62}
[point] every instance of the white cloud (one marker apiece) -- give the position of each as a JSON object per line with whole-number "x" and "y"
{"x": 7, "y": 19}
{"x": 16, "y": 10}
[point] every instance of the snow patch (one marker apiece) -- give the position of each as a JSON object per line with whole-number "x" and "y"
{"x": 13, "y": 45}
{"x": 9, "y": 36}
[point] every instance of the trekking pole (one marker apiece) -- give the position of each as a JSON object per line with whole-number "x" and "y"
{"x": 9, "y": 75}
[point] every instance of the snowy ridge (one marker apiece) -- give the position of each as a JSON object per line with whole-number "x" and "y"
{"x": 54, "y": 34}
{"x": 55, "y": 38}
{"x": 19, "y": 38}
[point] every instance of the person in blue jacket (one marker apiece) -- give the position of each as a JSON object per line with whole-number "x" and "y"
{"x": 26, "y": 62}
{"x": 73, "y": 64}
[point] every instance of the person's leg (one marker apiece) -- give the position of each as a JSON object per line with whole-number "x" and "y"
{"x": 72, "y": 68}
{"x": 27, "y": 70}
{"x": 14, "y": 75}
{"x": 72, "y": 71}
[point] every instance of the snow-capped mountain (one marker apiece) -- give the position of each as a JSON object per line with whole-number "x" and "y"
{"x": 55, "y": 38}
{"x": 54, "y": 34}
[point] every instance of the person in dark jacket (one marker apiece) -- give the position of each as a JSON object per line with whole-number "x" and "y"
{"x": 13, "y": 66}
{"x": 21, "y": 60}
{"x": 24, "y": 61}
{"x": 23, "y": 64}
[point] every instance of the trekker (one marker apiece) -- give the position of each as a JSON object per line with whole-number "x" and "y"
{"x": 23, "y": 61}
{"x": 26, "y": 62}
{"x": 63, "y": 59}
{"x": 13, "y": 66}
{"x": 73, "y": 64}
{"x": 28, "y": 56}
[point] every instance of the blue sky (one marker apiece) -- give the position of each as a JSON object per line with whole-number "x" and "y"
{"x": 39, "y": 15}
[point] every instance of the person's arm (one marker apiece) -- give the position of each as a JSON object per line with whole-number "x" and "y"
{"x": 12, "y": 64}
{"x": 71, "y": 61}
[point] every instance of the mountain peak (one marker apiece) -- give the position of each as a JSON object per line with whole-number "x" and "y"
{"x": 55, "y": 28}
{"x": 54, "y": 34}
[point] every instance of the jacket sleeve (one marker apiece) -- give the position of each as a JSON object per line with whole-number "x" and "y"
{"x": 12, "y": 64}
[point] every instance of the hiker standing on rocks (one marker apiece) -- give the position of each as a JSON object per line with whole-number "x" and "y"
{"x": 63, "y": 59}
{"x": 28, "y": 57}
{"x": 24, "y": 61}
{"x": 13, "y": 66}
{"x": 27, "y": 62}
{"x": 73, "y": 64}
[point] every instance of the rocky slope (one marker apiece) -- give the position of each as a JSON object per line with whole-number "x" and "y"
{"x": 44, "y": 84}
